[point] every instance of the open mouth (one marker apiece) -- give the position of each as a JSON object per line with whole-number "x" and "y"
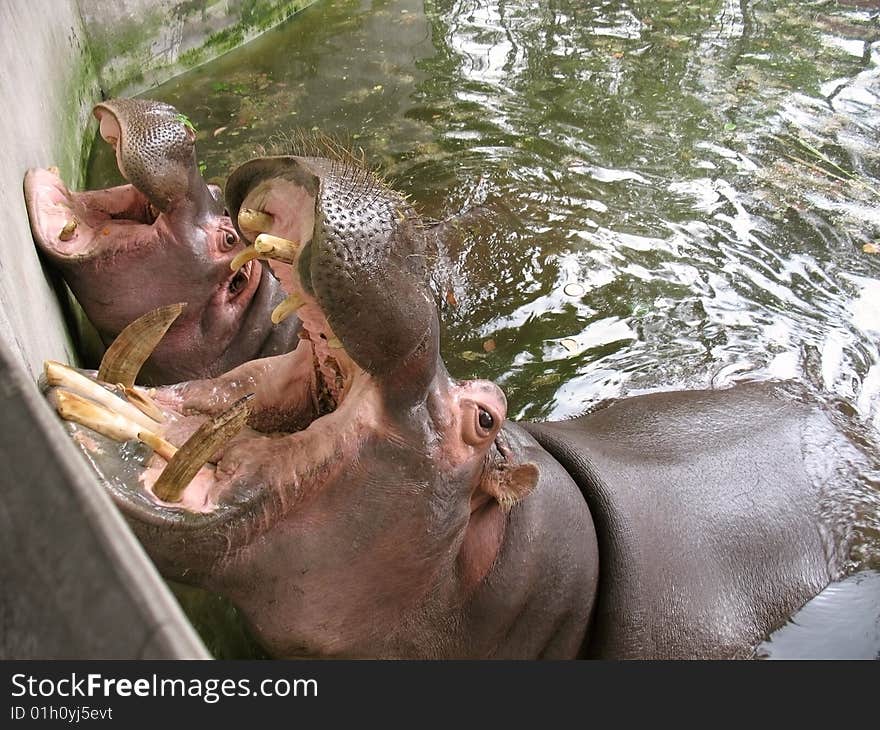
{"x": 76, "y": 225}
{"x": 266, "y": 432}
{"x": 209, "y": 462}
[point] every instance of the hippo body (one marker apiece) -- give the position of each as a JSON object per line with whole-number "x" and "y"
{"x": 701, "y": 514}
{"x": 376, "y": 507}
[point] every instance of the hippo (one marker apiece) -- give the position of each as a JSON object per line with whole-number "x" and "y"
{"x": 165, "y": 238}
{"x": 353, "y": 500}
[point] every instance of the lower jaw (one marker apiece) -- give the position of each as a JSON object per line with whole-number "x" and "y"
{"x": 303, "y": 424}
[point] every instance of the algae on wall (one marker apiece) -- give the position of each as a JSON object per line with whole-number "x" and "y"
{"x": 139, "y": 43}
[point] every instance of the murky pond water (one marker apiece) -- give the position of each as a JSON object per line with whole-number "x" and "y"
{"x": 671, "y": 194}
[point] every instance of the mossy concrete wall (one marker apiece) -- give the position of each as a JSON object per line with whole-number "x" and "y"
{"x": 138, "y": 43}
{"x": 75, "y": 582}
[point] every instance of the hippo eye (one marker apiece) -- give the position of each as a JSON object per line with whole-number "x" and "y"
{"x": 229, "y": 239}
{"x": 485, "y": 420}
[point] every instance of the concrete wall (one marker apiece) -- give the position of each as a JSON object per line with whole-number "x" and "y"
{"x": 48, "y": 87}
{"x": 138, "y": 43}
{"x": 73, "y": 580}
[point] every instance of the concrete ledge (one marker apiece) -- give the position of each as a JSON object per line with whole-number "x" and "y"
{"x": 76, "y": 583}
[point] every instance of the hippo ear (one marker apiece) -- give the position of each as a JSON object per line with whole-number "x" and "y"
{"x": 509, "y": 483}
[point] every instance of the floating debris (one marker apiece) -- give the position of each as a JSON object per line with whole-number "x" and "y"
{"x": 570, "y": 344}
{"x": 472, "y": 356}
{"x": 546, "y": 379}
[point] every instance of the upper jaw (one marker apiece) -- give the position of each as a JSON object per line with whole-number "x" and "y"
{"x": 155, "y": 150}
{"x": 79, "y": 226}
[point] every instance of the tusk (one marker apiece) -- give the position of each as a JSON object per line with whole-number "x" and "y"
{"x": 60, "y": 375}
{"x": 254, "y": 220}
{"x": 277, "y": 248}
{"x": 286, "y": 308}
{"x": 199, "y": 447}
{"x": 334, "y": 343}
{"x": 126, "y": 355}
{"x": 68, "y": 230}
{"x": 249, "y": 254}
{"x": 73, "y": 407}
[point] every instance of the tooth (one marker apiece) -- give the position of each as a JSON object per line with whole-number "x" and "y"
{"x": 126, "y": 355}
{"x": 60, "y": 375}
{"x": 286, "y": 308}
{"x": 249, "y": 254}
{"x": 199, "y": 447}
{"x": 143, "y": 403}
{"x": 277, "y": 248}
{"x": 162, "y": 447}
{"x": 254, "y": 220}
{"x": 334, "y": 343}
{"x": 73, "y": 407}
{"x": 55, "y": 170}
{"x": 68, "y": 230}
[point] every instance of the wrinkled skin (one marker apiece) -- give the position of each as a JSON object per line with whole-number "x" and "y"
{"x": 161, "y": 239}
{"x": 413, "y": 520}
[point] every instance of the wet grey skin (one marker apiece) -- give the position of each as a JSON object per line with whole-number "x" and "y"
{"x": 375, "y": 507}
{"x": 163, "y": 238}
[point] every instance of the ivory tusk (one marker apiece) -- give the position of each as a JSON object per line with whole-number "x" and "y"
{"x": 199, "y": 447}
{"x": 60, "y": 375}
{"x": 129, "y": 351}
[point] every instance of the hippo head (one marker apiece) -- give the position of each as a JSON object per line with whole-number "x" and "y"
{"x": 372, "y": 506}
{"x": 163, "y": 238}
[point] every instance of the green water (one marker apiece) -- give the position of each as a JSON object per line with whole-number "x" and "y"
{"x": 674, "y": 194}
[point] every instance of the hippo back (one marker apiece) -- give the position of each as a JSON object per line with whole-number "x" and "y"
{"x": 714, "y": 512}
